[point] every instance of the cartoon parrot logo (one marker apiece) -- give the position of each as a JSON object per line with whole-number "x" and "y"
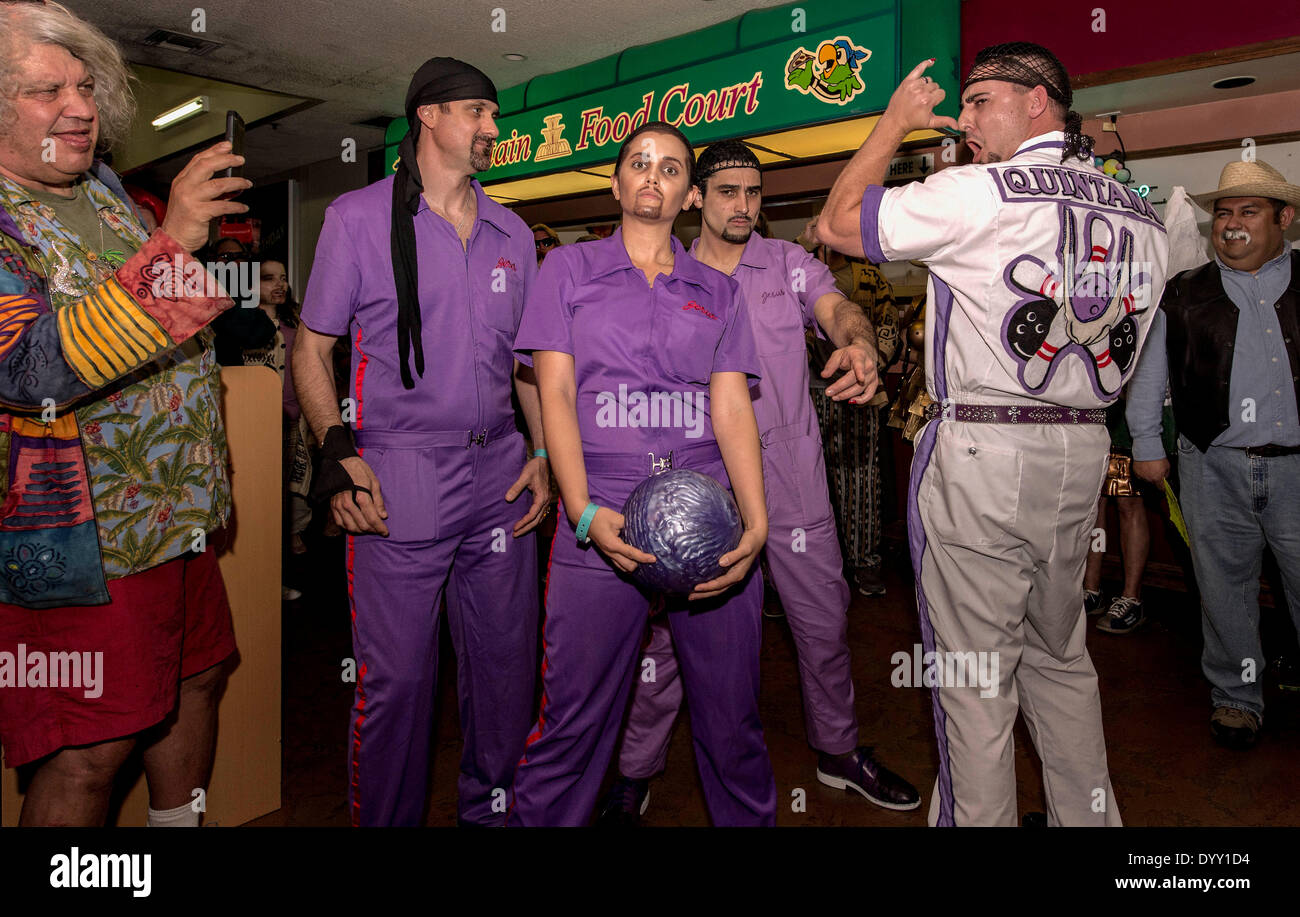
{"x": 832, "y": 74}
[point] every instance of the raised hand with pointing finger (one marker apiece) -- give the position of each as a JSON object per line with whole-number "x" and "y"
{"x": 913, "y": 103}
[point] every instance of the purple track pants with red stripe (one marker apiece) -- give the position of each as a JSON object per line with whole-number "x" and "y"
{"x": 592, "y": 639}
{"x": 449, "y": 528}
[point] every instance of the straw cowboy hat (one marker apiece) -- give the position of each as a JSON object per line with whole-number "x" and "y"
{"x": 1250, "y": 179}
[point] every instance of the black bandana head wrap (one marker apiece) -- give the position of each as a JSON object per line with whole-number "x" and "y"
{"x": 439, "y": 79}
{"x": 1028, "y": 64}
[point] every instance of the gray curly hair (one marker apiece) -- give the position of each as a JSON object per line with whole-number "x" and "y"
{"x": 25, "y": 24}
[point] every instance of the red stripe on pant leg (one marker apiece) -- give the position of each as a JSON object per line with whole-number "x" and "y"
{"x": 546, "y": 594}
{"x": 541, "y": 713}
{"x": 361, "y": 697}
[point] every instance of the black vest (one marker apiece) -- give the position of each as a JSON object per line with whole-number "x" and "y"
{"x": 1201, "y": 333}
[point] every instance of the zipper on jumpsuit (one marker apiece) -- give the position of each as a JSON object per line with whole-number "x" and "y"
{"x": 478, "y": 399}
{"x": 656, "y": 315}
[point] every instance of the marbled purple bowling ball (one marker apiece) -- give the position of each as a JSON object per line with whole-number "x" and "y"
{"x": 687, "y": 520}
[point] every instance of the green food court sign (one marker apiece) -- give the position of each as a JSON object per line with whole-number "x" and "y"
{"x": 769, "y": 70}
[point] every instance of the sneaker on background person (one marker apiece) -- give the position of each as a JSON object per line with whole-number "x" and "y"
{"x": 868, "y": 577}
{"x": 1234, "y": 728}
{"x": 1124, "y": 616}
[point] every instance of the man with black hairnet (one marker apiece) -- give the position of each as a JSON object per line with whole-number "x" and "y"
{"x": 1043, "y": 275}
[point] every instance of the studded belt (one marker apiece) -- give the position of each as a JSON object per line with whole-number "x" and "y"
{"x": 1013, "y": 413}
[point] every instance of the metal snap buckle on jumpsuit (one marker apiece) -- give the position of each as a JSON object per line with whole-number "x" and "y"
{"x": 479, "y": 440}
{"x": 663, "y": 464}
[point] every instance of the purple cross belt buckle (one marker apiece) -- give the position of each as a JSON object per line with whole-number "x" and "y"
{"x": 1013, "y": 413}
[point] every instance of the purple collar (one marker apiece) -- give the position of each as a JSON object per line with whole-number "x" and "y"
{"x": 750, "y": 257}
{"x": 489, "y": 211}
{"x": 1056, "y": 140}
{"x": 613, "y": 257}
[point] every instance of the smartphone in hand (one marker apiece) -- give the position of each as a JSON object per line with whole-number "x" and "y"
{"x": 235, "y": 137}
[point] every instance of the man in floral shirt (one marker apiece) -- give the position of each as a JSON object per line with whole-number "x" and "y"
{"x": 113, "y": 616}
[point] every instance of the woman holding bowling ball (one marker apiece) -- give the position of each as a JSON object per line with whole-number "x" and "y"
{"x": 642, "y": 356}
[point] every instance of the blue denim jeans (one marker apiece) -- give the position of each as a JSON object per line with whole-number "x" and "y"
{"x": 1234, "y": 505}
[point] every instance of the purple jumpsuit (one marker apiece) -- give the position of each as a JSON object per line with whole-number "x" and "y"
{"x": 780, "y": 283}
{"x": 445, "y": 453}
{"x": 633, "y": 346}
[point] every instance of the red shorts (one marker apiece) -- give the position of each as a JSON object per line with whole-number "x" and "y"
{"x": 162, "y": 625}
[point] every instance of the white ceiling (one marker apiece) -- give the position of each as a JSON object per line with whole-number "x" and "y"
{"x": 358, "y": 57}
{"x": 1192, "y": 87}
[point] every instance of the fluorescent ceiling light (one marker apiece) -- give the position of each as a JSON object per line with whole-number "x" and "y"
{"x": 194, "y": 106}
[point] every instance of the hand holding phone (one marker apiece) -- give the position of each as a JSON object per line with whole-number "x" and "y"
{"x": 235, "y": 137}
{"x": 201, "y": 193}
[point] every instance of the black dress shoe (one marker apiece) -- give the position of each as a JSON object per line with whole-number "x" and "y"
{"x": 624, "y": 804}
{"x": 859, "y": 771}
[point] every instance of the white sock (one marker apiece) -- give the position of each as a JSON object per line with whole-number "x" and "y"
{"x": 180, "y": 817}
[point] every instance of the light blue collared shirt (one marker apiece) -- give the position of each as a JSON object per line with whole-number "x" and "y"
{"x": 1261, "y": 370}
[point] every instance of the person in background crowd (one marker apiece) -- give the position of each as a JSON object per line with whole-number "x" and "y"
{"x": 115, "y": 564}
{"x": 1226, "y": 341}
{"x": 545, "y": 240}
{"x": 602, "y": 230}
{"x": 851, "y": 437}
{"x": 277, "y": 303}
{"x": 245, "y": 327}
{"x": 1124, "y": 613}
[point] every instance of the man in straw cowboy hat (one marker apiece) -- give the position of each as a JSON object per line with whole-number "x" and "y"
{"x": 1225, "y": 339}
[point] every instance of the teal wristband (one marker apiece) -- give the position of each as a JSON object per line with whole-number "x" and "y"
{"x": 540, "y": 453}
{"x": 585, "y": 523}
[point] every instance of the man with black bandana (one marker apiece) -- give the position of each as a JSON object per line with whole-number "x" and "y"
{"x": 1043, "y": 275}
{"x": 424, "y": 259}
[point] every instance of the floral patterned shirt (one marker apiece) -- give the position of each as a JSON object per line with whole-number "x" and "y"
{"x": 154, "y": 440}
